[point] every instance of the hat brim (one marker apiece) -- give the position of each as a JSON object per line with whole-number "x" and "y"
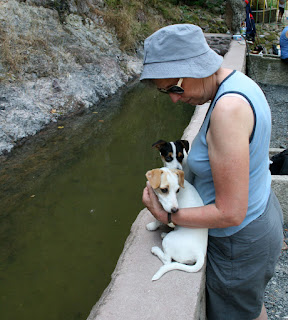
{"x": 197, "y": 67}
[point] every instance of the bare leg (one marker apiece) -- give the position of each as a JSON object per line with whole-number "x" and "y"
{"x": 280, "y": 16}
{"x": 263, "y": 314}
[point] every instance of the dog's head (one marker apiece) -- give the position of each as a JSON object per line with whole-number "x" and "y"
{"x": 166, "y": 183}
{"x": 173, "y": 154}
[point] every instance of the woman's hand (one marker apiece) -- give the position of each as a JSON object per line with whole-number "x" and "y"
{"x": 152, "y": 203}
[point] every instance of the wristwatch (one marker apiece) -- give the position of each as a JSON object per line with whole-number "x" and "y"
{"x": 170, "y": 223}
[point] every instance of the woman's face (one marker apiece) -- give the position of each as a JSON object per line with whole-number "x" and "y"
{"x": 196, "y": 91}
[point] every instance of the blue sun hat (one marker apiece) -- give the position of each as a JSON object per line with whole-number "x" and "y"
{"x": 179, "y": 51}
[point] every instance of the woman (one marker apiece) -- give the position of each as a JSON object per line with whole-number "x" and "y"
{"x": 230, "y": 161}
{"x": 282, "y": 4}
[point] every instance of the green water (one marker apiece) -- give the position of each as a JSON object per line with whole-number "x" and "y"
{"x": 68, "y": 199}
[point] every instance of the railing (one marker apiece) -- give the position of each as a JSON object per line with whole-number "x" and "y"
{"x": 266, "y": 11}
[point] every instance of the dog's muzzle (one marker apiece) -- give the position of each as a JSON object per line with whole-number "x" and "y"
{"x": 174, "y": 210}
{"x": 173, "y": 165}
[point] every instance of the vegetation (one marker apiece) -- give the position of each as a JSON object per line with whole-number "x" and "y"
{"x": 17, "y": 49}
{"x": 134, "y": 20}
{"x": 30, "y": 48}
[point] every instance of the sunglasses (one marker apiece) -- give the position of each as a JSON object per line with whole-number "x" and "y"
{"x": 173, "y": 89}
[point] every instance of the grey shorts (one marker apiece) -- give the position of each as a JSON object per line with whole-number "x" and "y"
{"x": 240, "y": 266}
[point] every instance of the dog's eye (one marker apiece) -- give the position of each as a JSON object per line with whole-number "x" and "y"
{"x": 164, "y": 190}
{"x": 180, "y": 157}
{"x": 178, "y": 190}
{"x": 168, "y": 159}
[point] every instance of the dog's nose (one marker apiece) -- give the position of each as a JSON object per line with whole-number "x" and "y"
{"x": 174, "y": 210}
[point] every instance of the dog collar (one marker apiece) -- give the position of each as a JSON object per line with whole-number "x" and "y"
{"x": 170, "y": 223}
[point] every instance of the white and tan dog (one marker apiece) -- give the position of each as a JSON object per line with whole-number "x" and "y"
{"x": 186, "y": 246}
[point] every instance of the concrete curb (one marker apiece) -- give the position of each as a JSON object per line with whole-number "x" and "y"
{"x": 132, "y": 295}
{"x": 280, "y": 187}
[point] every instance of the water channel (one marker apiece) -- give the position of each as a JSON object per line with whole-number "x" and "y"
{"x": 68, "y": 199}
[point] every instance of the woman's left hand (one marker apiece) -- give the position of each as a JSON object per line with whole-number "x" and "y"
{"x": 152, "y": 203}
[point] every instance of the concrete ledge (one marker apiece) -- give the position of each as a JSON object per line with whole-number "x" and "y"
{"x": 280, "y": 187}
{"x": 132, "y": 295}
{"x": 177, "y": 295}
{"x": 267, "y": 69}
{"x": 235, "y": 58}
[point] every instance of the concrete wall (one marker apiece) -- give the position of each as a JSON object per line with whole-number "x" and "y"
{"x": 267, "y": 69}
{"x": 280, "y": 187}
{"x": 132, "y": 295}
{"x": 177, "y": 295}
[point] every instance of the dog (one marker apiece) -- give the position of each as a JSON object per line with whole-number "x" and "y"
{"x": 279, "y": 163}
{"x": 174, "y": 155}
{"x": 186, "y": 246}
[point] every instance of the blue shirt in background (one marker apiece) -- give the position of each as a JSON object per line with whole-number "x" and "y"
{"x": 284, "y": 43}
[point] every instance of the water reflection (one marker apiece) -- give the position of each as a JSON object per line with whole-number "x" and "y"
{"x": 68, "y": 199}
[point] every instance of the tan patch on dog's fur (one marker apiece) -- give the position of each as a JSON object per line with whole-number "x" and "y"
{"x": 158, "y": 179}
{"x": 180, "y": 175}
{"x": 154, "y": 177}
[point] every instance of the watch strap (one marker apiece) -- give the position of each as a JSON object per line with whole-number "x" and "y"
{"x": 170, "y": 223}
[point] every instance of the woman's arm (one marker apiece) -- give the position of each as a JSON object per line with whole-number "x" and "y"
{"x": 231, "y": 125}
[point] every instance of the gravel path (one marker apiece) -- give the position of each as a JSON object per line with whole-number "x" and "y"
{"x": 277, "y": 96}
{"x": 276, "y": 296}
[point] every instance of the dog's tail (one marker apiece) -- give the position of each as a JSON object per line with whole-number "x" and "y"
{"x": 179, "y": 266}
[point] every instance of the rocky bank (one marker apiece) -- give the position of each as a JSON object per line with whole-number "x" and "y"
{"x": 63, "y": 67}
{"x": 58, "y": 58}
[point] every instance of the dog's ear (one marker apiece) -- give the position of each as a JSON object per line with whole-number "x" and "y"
{"x": 180, "y": 175}
{"x": 185, "y": 144}
{"x": 159, "y": 144}
{"x": 154, "y": 178}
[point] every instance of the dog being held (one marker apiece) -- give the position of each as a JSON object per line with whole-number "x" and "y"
{"x": 186, "y": 246}
{"x": 174, "y": 155}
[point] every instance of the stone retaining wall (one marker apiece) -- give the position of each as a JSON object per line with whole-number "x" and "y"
{"x": 280, "y": 187}
{"x": 267, "y": 69}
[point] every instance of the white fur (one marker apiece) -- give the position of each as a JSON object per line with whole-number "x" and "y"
{"x": 186, "y": 246}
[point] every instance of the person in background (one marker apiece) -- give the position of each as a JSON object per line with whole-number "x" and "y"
{"x": 281, "y": 9}
{"x": 284, "y": 45}
{"x": 229, "y": 158}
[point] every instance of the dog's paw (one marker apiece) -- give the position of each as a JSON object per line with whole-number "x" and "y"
{"x": 155, "y": 250}
{"x": 163, "y": 235}
{"x": 152, "y": 226}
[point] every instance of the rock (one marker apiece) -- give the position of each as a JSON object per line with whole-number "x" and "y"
{"x": 60, "y": 58}
{"x": 62, "y": 67}
{"x": 234, "y": 15}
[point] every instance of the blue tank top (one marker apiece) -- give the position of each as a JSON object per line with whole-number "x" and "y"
{"x": 259, "y": 174}
{"x": 284, "y": 44}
